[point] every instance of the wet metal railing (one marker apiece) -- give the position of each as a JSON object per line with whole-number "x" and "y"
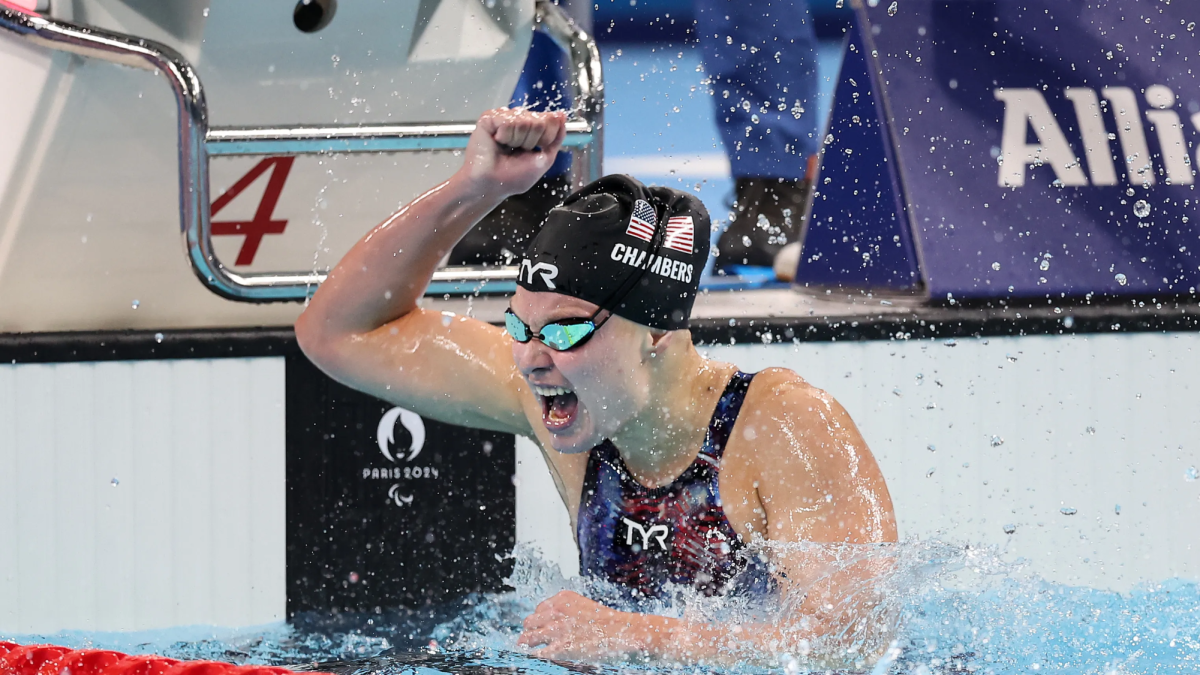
{"x": 197, "y": 142}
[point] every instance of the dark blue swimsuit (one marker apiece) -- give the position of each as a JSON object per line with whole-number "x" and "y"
{"x": 642, "y": 538}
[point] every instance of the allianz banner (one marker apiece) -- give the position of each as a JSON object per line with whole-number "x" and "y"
{"x": 1012, "y": 148}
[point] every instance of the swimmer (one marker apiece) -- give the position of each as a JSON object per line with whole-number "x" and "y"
{"x": 669, "y": 463}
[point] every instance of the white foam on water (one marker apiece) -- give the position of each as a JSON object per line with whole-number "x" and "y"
{"x": 915, "y": 608}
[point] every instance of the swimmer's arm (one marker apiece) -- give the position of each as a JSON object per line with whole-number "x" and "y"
{"x": 363, "y": 326}
{"x": 817, "y": 480}
{"x": 827, "y": 510}
{"x": 570, "y": 626}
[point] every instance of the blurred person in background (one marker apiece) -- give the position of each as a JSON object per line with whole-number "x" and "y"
{"x": 761, "y": 58}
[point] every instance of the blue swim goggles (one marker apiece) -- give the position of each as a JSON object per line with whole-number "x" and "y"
{"x": 558, "y": 335}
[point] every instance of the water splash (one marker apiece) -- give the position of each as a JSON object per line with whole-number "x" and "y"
{"x": 809, "y": 624}
{"x": 933, "y": 608}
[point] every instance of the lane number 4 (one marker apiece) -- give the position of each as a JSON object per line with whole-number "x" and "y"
{"x": 263, "y": 223}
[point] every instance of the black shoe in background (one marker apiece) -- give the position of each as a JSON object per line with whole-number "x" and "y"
{"x": 501, "y": 237}
{"x": 767, "y": 213}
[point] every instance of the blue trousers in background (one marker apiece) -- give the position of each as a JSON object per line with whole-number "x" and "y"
{"x": 761, "y": 56}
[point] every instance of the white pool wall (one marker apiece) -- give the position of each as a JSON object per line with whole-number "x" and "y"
{"x": 142, "y": 495}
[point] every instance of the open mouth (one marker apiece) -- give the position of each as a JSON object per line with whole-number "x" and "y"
{"x": 559, "y": 406}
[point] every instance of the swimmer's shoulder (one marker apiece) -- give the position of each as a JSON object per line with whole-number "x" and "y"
{"x": 807, "y": 453}
{"x": 786, "y": 415}
{"x": 780, "y": 387}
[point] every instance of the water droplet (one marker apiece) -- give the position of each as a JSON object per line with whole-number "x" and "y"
{"x": 1068, "y": 511}
{"x": 996, "y": 266}
{"x": 114, "y": 482}
{"x": 1141, "y": 208}
{"x": 1010, "y": 528}
{"x": 158, "y": 337}
{"x": 1068, "y": 321}
{"x": 893, "y": 8}
{"x": 135, "y": 304}
{"x": 205, "y": 12}
{"x": 1044, "y": 265}
{"x": 828, "y": 180}
{"x": 996, "y": 441}
{"x": 931, "y": 447}
{"x": 1121, "y": 279}
{"x": 930, "y": 472}
{"x": 1117, "y": 509}
{"x": 951, "y": 342}
{"x": 839, "y": 4}
{"x": 1011, "y": 358}
{"x": 353, "y": 577}
{"x": 896, "y": 391}
{"x": 1191, "y": 474}
{"x": 1091, "y": 431}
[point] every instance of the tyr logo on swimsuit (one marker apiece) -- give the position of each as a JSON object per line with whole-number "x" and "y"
{"x": 657, "y": 532}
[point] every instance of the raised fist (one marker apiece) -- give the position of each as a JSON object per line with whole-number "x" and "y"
{"x": 512, "y": 148}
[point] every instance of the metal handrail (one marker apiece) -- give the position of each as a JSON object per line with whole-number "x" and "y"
{"x": 197, "y": 142}
{"x": 227, "y": 141}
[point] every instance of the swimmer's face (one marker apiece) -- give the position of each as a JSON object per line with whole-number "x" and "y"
{"x": 588, "y": 392}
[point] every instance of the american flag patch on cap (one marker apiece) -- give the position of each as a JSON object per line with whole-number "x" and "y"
{"x": 641, "y": 223}
{"x": 680, "y": 234}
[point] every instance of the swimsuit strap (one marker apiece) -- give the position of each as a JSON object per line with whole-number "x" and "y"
{"x": 725, "y": 416}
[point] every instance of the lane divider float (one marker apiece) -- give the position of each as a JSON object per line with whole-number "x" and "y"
{"x": 53, "y": 660}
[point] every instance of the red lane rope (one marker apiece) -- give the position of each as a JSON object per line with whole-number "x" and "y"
{"x": 82, "y": 662}
{"x": 51, "y": 660}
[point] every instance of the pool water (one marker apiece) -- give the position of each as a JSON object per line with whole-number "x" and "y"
{"x": 953, "y": 609}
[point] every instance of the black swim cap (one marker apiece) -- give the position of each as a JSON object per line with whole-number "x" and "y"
{"x": 636, "y": 251}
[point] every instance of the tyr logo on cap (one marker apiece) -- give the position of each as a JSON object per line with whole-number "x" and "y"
{"x": 546, "y": 271}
